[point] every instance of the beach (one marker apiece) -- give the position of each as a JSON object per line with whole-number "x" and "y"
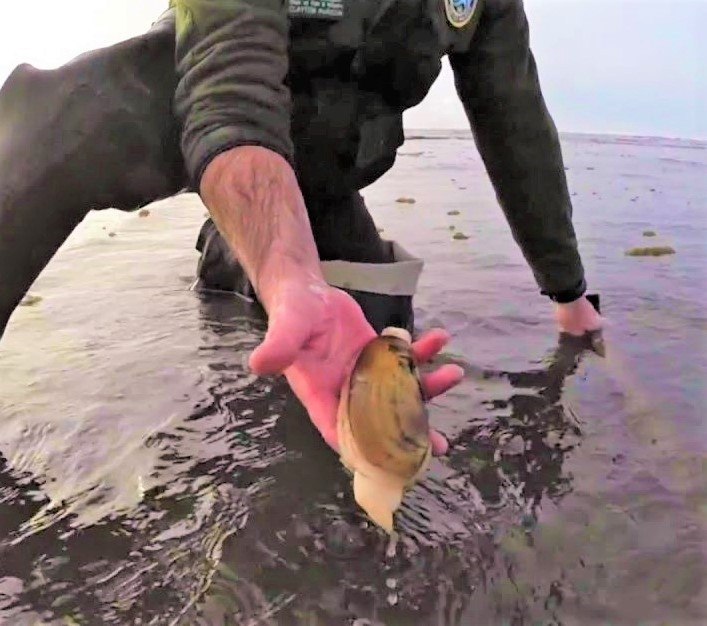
{"x": 146, "y": 476}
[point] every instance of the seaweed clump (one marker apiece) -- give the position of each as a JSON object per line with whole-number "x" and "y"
{"x": 650, "y": 251}
{"x": 30, "y": 300}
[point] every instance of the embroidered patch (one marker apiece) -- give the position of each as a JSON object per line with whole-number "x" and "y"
{"x": 322, "y": 9}
{"x": 460, "y": 12}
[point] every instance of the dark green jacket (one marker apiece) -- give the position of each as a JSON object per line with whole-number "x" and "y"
{"x": 326, "y": 87}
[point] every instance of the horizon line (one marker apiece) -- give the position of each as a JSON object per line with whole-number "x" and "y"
{"x": 702, "y": 138}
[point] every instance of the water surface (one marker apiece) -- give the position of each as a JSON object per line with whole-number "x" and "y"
{"x": 146, "y": 477}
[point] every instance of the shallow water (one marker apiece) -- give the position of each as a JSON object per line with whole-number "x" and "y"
{"x": 146, "y": 477}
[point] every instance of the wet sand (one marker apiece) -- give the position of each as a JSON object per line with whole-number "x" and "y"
{"x": 147, "y": 477}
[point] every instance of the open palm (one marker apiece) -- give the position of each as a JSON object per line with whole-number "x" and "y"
{"x": 314, "y": 337}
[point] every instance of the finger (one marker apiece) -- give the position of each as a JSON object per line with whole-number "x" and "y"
{"x": 283, "y": 342}
{"x": 441, "y": 380}
{"x": 439, "y": 443}
{"x": 429, "y": 344}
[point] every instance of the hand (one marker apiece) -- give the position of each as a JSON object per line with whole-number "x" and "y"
{"x": 315, "y": 333}
{"x": 578, "y": 318}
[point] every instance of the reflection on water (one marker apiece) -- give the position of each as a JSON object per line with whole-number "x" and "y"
{"x": 146, "y": 477}
{"x": 246, "y": 517}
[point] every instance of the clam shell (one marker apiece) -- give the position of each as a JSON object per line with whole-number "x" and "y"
{"x": 383, "y": 425}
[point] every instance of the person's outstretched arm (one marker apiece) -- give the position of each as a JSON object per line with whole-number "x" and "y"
{"x": 497, "y": 82}
{"x": 235, "y": 113}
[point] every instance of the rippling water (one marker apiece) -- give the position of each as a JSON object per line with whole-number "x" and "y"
{"x": 146, "y": 477}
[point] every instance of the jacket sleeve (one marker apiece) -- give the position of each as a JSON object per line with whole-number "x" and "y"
{"x": 232, "y": 62}
{"x": 497, "y": 82}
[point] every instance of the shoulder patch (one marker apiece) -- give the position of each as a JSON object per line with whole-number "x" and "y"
{"x": 460, "y": 12}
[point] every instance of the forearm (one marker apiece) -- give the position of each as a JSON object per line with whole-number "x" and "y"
{"x": 235, "y": 112}
{"x": 523, "y": 157}
{"x": 518, "y": 141}
{"x": 255, "y": 201}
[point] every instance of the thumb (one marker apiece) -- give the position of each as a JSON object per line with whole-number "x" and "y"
{"x": 283, "y": 341}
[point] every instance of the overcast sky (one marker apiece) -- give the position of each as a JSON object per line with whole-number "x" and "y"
{"x": 616, "y": 66}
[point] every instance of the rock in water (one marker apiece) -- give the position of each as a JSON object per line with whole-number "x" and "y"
{"x": 383, "y": 426}
{"x": 650, "y": 251}
{"x": 30, "y": 300}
